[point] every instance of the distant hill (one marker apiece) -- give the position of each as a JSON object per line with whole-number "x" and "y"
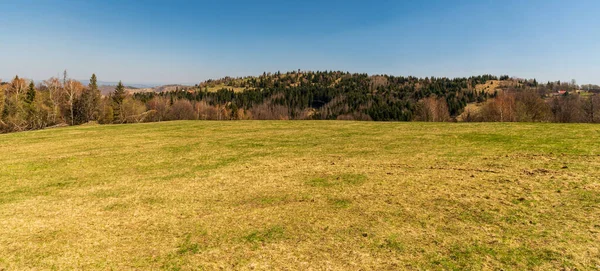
{"x": 167, "y": 88}
{"x": 131, "y": 85}
{"x": 106, "y": 89}
{"x": 357, "y": 96}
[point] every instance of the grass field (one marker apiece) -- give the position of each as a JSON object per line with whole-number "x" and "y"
{"x": 301, "y": 195}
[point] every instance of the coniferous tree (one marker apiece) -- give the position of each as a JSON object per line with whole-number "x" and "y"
{"x": 118, "y": 97}
{"x": 96, "y": 97}
{"x": 30, "y": 96}
{"x": 29, "y": 106}
{"x": 89, "y": 103}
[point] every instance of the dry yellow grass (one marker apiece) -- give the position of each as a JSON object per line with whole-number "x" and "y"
{"x": 321, "y": 195}
{"x": 496, "y": 85}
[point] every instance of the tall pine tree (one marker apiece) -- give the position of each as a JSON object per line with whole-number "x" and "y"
{"x": 117, "y": 98}
{"x": 29, "y": 106}
{"x": 30, "y": 96}
{"x": 92, "y": 99}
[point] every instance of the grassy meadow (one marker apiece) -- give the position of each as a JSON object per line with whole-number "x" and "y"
{"x": 301, "y": 195}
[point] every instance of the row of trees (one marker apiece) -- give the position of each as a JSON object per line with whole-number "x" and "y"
{"x": 528, "y": 106}
{"x": 296, "y": 95}
{"x": 25, "y": 106}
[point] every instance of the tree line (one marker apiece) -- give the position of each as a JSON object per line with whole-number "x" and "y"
{"x": 326, "y": 95}
{"x": 62, "y": 101}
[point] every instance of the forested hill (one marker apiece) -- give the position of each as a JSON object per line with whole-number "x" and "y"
{"x": 299, "y": 95}
{"x": 336, "y": 95}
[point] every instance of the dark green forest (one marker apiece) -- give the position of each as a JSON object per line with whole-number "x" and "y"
{"x": 298, "y": 95}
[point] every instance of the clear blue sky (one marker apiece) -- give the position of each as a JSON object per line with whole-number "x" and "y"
{"x": 189, "y": 41}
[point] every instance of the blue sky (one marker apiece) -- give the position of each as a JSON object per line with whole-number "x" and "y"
{"x": 189, "y": 41}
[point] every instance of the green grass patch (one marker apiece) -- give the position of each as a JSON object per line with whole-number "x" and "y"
{"x": 340, "y": 203}
{"x": 264, "y": 236}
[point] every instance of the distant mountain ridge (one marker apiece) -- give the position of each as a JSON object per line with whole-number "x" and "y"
{"x": 106, "y": 89}
{"x": 133, "y": 85}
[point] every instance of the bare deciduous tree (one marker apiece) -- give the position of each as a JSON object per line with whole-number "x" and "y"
{"x": 502, "y": 108}
{"x": 531, "y": 107}
{"x": 182, "y": 110}
{"x": 18, "y": 86}
{"x": 591, "y": 107}
{"x": 73, "y": 89}
{"x": 55, "y": 96}
{"x": 161, "y": 107}
{"x": 133, "y": 111}
{"x": 432, "y": 109}
{"x": 205, "y": 111}
{"x": 567, "y": 109}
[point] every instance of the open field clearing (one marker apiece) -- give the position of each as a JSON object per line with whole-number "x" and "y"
{"x": 321, "y": 195}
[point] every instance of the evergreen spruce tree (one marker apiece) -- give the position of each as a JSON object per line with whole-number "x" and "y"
{"x": 30, "y": 96}
{"x": 95, "y": 98}
{"x": 29, "y": 106}
{"x": 87, "y": 105}
{"x": 117, "y": 98}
